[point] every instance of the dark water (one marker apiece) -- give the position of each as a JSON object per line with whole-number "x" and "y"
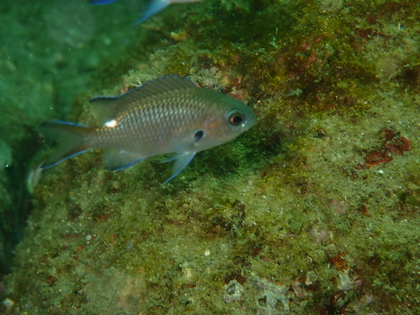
{"x": 51, "y": 52}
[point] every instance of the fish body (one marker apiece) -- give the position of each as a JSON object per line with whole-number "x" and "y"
{"x": 166, "y": 115}
{"x": 154, "y": 6}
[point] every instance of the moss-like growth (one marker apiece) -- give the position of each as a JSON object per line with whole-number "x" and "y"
{"x": 295, "y": 216}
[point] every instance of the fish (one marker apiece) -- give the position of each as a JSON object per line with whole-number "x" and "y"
{"x": 154, "y": 6}
{"x": 169, "y": 114}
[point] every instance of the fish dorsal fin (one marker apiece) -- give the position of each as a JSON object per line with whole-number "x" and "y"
{"x": 104, "y": 109}
{"x": 107, "y": 108}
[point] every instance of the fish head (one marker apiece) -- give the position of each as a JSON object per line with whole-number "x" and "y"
{"x": 228, "y": 119}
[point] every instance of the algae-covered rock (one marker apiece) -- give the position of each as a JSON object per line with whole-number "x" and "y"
{"x": 48, "y": 53}
{"x": 315, "y": 210}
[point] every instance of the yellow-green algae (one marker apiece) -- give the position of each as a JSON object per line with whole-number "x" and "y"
{"x": 283, "y": 220}
{"x": 48, "y": 53}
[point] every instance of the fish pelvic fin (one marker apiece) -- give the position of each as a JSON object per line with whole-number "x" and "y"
{"x": 181, "y": 162}
{"x": 71, "y": 140}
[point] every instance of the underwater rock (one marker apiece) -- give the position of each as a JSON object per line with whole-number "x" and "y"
{"x": 284, "y": 216}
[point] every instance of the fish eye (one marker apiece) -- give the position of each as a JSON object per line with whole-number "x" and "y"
{"x": 235, "y": 118}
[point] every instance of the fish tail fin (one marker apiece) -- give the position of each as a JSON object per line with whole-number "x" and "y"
{"x": 71, "y": 140}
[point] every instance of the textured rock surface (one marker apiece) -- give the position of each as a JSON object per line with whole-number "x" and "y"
{"x": 315, "y": 210}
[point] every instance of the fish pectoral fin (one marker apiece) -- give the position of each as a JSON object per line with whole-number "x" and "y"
{"x": 189, "y": 145}
{"x": 115, "y": 159}
{"x": 181, "y": 162}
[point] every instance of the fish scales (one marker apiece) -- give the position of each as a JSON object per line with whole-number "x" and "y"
{"x": 166, "y": 115}
{"x": 162, "y": 124}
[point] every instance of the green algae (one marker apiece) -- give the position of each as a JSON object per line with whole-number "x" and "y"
{"x": 48, "y": 55}
{"x": 285, "y": 219}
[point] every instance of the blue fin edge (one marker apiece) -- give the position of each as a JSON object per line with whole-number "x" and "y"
{"x": 182, "y": 160}
{"x": 59, "y": 161}
{"x": 127, "y": 165}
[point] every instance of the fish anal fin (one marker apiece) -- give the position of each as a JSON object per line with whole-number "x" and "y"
{"x": 115, "y": 159}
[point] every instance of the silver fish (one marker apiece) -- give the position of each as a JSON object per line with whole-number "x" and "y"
{"x": 166, "y": 115}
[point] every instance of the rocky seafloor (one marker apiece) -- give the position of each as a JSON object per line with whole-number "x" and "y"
{"x": 315, "y": 210}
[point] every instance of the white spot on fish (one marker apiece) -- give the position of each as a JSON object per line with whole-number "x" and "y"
{"x": 111, "y": 124}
